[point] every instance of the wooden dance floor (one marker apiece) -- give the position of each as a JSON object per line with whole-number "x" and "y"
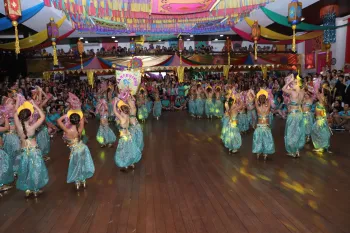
{"x": 188, "y": 183}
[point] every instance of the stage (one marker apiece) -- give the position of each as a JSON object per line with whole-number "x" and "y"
{"x": 187, "y": 182}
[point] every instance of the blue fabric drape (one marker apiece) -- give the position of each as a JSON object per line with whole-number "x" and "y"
{"x": 6, "y": 23}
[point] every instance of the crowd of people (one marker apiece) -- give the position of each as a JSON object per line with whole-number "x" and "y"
{"x": 34, "y": 111}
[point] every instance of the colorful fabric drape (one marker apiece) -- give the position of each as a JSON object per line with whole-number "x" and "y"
{"x": 310, "y": 60}
{"x": 33, "y": 40}
{"x": 247, "y": 37}
{"x": 280, "y": 19}
{"x": 347, "y": 52}
{"x": 49, "y": 43}
{"x": 269, "y": 34}
{"x": 181, "y": 73}
{"x": 6, "y": 23}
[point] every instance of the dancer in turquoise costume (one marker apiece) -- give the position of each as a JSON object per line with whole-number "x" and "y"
{"x": 128, "y": 152}
{"x": 134, "y": 128}
{"x": 251, "y": 111}
{"x": 321, "y": 133}
{"x": 243, "y": 122}
{"x": 6, "y": 163}
{"x": 309, "y": 118}
{"x": 209, "y": 104}
{"x": 263, "y": 142}
{"x": 142, "y": 112}
{"x": 200, "y": 104}
{"x": 231, "y": 136}
{"x": 294, "y": 136}
{"x": 105, "y": 136}
{"x": 218, "y": 105}
{"x": 81, "y": 166}
{"x": 32, "y": 172}
{"x": 42, "y": 133}
{"x": 12, "y": 143}
{"x": 192, "y": 103}
{"x": 157, "y": 107}
{"x": 149, "y": 105}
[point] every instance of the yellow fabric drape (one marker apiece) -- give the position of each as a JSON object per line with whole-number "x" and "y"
{"x": 33, "y": 40}
{"x": 267, "y": 33}
{"x": 90, "y": 77}
{"x": 226, "y": 70}
{"x": 181, "y": 73}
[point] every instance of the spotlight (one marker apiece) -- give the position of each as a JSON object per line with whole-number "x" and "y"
{"x": 188, "y": 39}
{"x": 191, "y": 35}
{"x": 81, "y": 38}
{"x": 221, "y": 35}
{"x": 86, "y": 42}
{"x": 116, "y": 41}
{"x": 113, "y": 37}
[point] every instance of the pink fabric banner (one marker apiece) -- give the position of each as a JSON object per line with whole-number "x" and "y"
{"x": 109, "y": 45}
{"x": 321, "y": 61}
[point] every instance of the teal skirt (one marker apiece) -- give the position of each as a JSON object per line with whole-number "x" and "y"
{"x": 149, "y": 105}
{"x": 231, "y": 137}
{"x": 252, "y": 117}
{"x": 243, "y": 123}
{"x": 137, "y": 134}
{"x": 308, "y": 122}
{"x": 81, "y": 165}
{"x": 6, "y": 168}
{"x": 192, "y": 107}
{"x": 128, "y": 152}
{"x": 219, "y": 108}
{"x": 294, "y": 134}
{"x": 32, "y": 172}
{"x": 199, "y": 107}
{"x": 263, "y": 141}
{"x": 142, "y": 112}
{"x": 43, "y": 139}
{"x": 12, "y": 145}
{"x": 105, "y": 135}
{"x": 209, "y": 108}
{"x": 321, "y": 134}
{"x": 157, "y": 109}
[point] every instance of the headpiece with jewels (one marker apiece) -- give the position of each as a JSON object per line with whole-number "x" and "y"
{"x": 26, "y": 105}
{"x": 262, "y": 92}
{"x": 121, "y": 103}
{"x": 79, "y": 112}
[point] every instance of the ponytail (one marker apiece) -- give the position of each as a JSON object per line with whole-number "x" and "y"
{"x": 24, "y": 130}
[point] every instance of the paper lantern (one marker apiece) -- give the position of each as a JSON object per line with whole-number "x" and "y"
{"x": 256, "y": 32}
{"x": 295, "y": 10}
{"x": 181, "y": 45}
{"x": 53, "y": 34}
{"x": 13, "y": 11}
{"x": 329, "y": 14}
{"x": 80, "y": 46}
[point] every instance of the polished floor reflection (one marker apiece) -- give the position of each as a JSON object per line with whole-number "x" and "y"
{"x": 187, "y": 182}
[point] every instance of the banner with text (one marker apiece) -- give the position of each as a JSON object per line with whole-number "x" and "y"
{"x": 128, "y": 80}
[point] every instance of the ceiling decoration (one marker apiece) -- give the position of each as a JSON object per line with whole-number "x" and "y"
{"x": 176, "y": 7}
{"x": 155, "y": 16}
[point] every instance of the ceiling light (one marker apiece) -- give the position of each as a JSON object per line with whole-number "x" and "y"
{"x": 113, "y": 37}
{"x": 215, "y": 4}
{"x": 191, "y": 35}
{"x": 86, "y": 42}
{"x": 159, "y": 40}
{"x": 216, "y": 38}
{"x": 188, "y": 39}
{"x": 221, "y": 35}
{"x": 81, "y": 38}
{"x": 302, "y": 19}
{"x": 116, "y": 41}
